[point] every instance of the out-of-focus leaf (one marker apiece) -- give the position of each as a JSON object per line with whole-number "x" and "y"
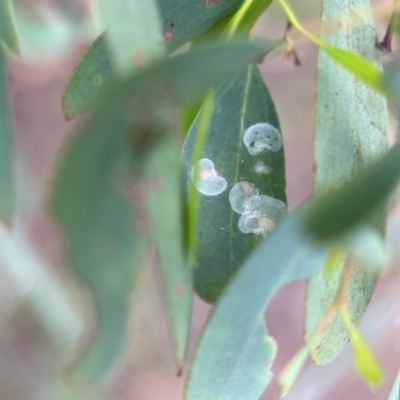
{"x": 94, "y": 71}
{"x": 351, "y": 135}
{"x": 288, "y": 254}
{"x": 188, "y": 113}
{"x": 193, "y": 195}
{"x": 164, "y": 194}
{"x": 360, "y": 66}
{"x": 181, "y": 22}
{"x": 238, "y": 25}
{"x": 7, "y": 195}
{"x": 8, "y": 31}
{"x": 366, "y": 364}
{"x": 290, "y": 373}
{"x": 335, "y": 213}
{"x": 133, "y": 31}
{"x": 102, "y": 241}
{"x": 395, "y": 390}
{"x": 246, "y": 17}
{"x": 221, "y": 247}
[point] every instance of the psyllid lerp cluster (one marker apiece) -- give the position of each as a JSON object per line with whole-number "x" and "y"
{"x": 259, "y": 213}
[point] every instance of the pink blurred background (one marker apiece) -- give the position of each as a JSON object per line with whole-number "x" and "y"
{"x": 35, "y": 342}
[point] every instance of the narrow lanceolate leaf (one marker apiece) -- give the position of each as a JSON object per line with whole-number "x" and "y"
{"x": 351, "y": 135}
{"x": 98, "y": 222}
{"x": 164, "y": 194}
{"x": 395, "y": 390}
{"x": 337, "y": 212}
{"x": 8, "y": 31}
{"x": 6, "y": 144}
{"x": 358, "y": 65}
{"x": 221, "y": 246}
{"x": 102, "y": 242}
{"x": 133, "y": 30}
{"x": 366, "y": 364}
{"x": 180, "y": 21}
{"x": 246, "y": 17}
{"x": 94, "y": 72}
{"x": 218, "y": 370}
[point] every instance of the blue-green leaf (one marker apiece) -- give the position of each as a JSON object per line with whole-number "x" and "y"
{"x": 221, "y": 247}
{"x": 165, "y": 203}
{"x": 181, "y": 22}
{"x": 6, "y": 144}
{"x": 338, "y": 211}
{"x": 133, "y": 31}
{"x": 98, "y": 221}
{"x": 8, "y": 30}
{"x": 365, "y": 363}
{"x": 288, "y": 254}
{"x": 351, "y": 135}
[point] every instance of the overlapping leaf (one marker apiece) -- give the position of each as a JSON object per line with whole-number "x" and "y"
{"x": 6, "y": 143}
{"x": 218, "y": 370}
{"x": 359, "y": 65}
{"x": 221, "y": 247}
{"x": 181, "y": 22}
{"x": 133, "y": 32}
{"x": 165, "y": 203}
{"x": 97, "y": 220}
{"x": 351, "y": 134}
{"x": 8, "y": 31}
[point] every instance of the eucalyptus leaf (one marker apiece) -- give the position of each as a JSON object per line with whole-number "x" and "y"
{"x": 246, "y": 17}
{"x": 359, "y": 65}
{"x": 340, "y": 210}
{"x": 7, "y": 194}
{"x": 366, "y": 365}
{"x": 99, "y": 224}
{"x": 288, "y": 254}
{"x": 8, "y": 30}
{"x": 351, "y": 135}
{"x": 133, "y": 31}
{"x": 103, "y": 245}
{"x": 221, "y": 247}
{"x": 181, "y": 22}
{"x": 94, "y": 72}
{"x": 395, "y": 389}
{"x": 165, "y": 203}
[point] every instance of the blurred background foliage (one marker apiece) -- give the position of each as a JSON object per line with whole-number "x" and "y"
{"x": 42, "y": 307}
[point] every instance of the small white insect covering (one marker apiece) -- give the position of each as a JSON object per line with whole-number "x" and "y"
{"x": 208, "y": 182}
{"x": 239, "y": 195}
{"x": 260, "y": 213}
{"x": 260, "y": 169}
{"x": 262, "y": 136}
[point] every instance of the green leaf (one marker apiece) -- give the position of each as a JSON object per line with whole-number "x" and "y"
{"x": 292, "y": 370}
{"x": 7, "y": 195}
{"x": 94, "y": 72}
{"x": 133, "y": 31}
{"x": 8, "y": 30}
{"x": 97, "y": 220}
{"x": 351, "y": 135}
{"x": 362, "y": 68}
{"x": 246, "y": 17}
{"x": 338, "y": 211}
{"x": 366, "y": 364}
{"x": 218, "y": 372}
{"x": 188, "y": 113}
{"x": 165, "y": 203}
{"x": 395, "y": 390}
{"x": 103, "y": 245}
{"x": 221, "y": 247}
{"x": 184, "y": 20}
